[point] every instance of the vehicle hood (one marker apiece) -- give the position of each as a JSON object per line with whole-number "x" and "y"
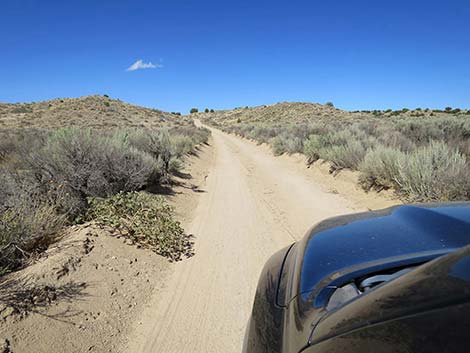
{"x": 345, "y": 246}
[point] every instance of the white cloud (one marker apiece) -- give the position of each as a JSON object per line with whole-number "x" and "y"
{"x": 139, "y": 64}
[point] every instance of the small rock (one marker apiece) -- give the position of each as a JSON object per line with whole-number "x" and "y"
{"x": 7, "y": 311}
{"x": 4, "y": 346}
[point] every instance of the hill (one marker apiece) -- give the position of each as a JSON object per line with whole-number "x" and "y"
{"x": 89, "y": 111}
{"x": 422, "y": 154}
{"x": 301, "y": 112}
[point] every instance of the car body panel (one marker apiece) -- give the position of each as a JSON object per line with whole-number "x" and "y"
{"x": 289, "y": 307}
{"x": 426, "y": 310}
{"x": 374, "y": 238}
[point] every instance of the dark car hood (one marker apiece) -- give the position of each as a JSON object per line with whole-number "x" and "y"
{"x": 394, "y": 237}
{"x": 438, "y": 285}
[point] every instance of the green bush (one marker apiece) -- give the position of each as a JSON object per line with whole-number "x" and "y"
{"x": 193, "y": 110}
{"x": 145, "y": 219}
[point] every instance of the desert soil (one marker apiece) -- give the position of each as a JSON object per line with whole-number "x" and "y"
{"x": 252, "y": 205}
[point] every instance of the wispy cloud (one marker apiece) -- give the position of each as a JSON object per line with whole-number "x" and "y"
{"x": 139, "y": 64}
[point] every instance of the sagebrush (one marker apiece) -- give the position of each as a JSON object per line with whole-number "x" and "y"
{"x": 47, "y": 179}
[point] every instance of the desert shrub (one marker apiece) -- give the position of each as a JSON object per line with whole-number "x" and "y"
{"x": 175, "y": 165}
{"x": 329, "y": 104}
{"x": 277, "y": 145}
{"x": 389, "y": 137}
{"x": 145, "y": 219}
{"x": 26, "y": 229}
{"x": 197, "y": 135}
{"x": 85, "y": 164}
{"x": 181, "y": 145}
{"x": 347, "y": 155}
{"x": 157, "y": 144}
{"x": 293, "y": 144}
{"x": 193, "y": 110}
{"x": 312, "y": 147}
{"x": 47, "y": 180}
{"x": 434, "y": 172}
{"x": 380, "y": 168}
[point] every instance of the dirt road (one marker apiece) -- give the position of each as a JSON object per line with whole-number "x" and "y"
{"x": 253, "y": 204}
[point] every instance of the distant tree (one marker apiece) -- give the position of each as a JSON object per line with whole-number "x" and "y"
{"x": 193, "y": 110}
{"x": 105, "y": 96}
{"x": 329, "y": 104}
{"x": 206, "y": 110}
{"x": 404, "y": 110}
{"x": 418, "y": 109}
{"x": 448, "y": 109}
{"x": 212, "y": 110}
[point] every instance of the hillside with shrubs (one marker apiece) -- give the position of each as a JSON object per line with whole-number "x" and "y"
{"x": 422, "y": 154}
{"x": 68, "y": 161}
{"x": 100, "y": 112}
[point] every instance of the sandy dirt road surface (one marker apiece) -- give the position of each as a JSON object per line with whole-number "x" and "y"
{"x": 253, "y": 205}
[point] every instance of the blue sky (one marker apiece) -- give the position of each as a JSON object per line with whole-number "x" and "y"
{"x": 224, "y": 54}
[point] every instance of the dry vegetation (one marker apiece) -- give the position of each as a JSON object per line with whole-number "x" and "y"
{"x": 98, "y": 112}
{"x": 71, "y": 160}
{"x": 422, "y": 154}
